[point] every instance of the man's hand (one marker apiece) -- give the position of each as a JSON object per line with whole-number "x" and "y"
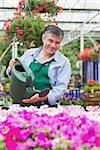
{"x": 34, "y": 99}
{"x": 11, "y": 63}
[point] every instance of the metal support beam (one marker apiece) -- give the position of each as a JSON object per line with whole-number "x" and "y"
{"x": 81, "y": 50}
{"x": 80, "y": 9}
{"x": 7, "y": 8}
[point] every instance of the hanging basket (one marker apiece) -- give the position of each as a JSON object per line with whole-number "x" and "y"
{"x": 42, "y": 6}
{"x": 86, "y": 53}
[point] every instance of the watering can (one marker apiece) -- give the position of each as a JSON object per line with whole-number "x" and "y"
{"x": 22, "y": 82}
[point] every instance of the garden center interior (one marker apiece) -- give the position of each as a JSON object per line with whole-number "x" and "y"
{"x": 74, "y": 124}
{"x": 80, "y": 21}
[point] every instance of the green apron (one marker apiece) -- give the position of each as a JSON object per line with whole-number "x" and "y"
{"x": 41, "y": 80}
{"x": 40, "y": 72}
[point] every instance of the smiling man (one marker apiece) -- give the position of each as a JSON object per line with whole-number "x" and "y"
{"x": 51, "y": 69}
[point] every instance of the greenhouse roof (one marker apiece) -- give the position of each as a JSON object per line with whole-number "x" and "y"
{"x": 77, "y": 15}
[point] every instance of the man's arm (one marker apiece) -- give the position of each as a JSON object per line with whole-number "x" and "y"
{"x": 63, "y": 75}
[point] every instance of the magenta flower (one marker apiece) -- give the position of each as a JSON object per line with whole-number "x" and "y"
{"x": 11, "y": 144}
{"x": 33, "y": 128}
{"x": 97, "y": 141}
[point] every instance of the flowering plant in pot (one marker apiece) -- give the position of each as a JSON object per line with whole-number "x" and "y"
{"x": 91, "y": 86}
{"x": 84, "y": 55}
{"x": 41, "y": 6}
{"x": 88, "y": 86}
{"x": 89, "y": 54}
{"x": 26, "y": 30}
{"x": 92, "y": 93}
{"x": 27, "y": 25}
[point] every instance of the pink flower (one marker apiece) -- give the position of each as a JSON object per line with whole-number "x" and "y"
{"x": 30, "y": 29}
{"x": 41, "y": 136}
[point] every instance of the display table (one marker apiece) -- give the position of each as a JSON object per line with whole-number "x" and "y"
{"x": 92, "y": 99}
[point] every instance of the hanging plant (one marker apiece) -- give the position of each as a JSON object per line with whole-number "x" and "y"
{"x": 26, "y": 30}
{"x": 27, "y": 25}
{"x": 40, "y": 6}
{"x": 86, "y": 53}
{"x": 89, "y": 54}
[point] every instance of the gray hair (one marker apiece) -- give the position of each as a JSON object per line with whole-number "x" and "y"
{"x": 53, "y": 29}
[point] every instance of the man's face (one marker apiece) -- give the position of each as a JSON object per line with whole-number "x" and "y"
{"x": 51, "y": 43}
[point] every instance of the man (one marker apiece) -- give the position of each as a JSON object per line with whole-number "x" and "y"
{"x": 51, "y": 69}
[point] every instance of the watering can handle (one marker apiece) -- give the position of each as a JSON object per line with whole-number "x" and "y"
{"x": 27, "y": 69}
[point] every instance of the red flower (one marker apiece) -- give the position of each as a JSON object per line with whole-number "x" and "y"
{"x": 35, "y": 11}
{"x": 37, "y": 7}
{"x": 7, "y": 27}
{"x": 19, "y": 31}
{"x": 46, "y": 8}
{"x": 41, "y": 9}
{"x": 91, "y": 81}
{"x": 59, "y": 9}
{"x": 5, "y": 24}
